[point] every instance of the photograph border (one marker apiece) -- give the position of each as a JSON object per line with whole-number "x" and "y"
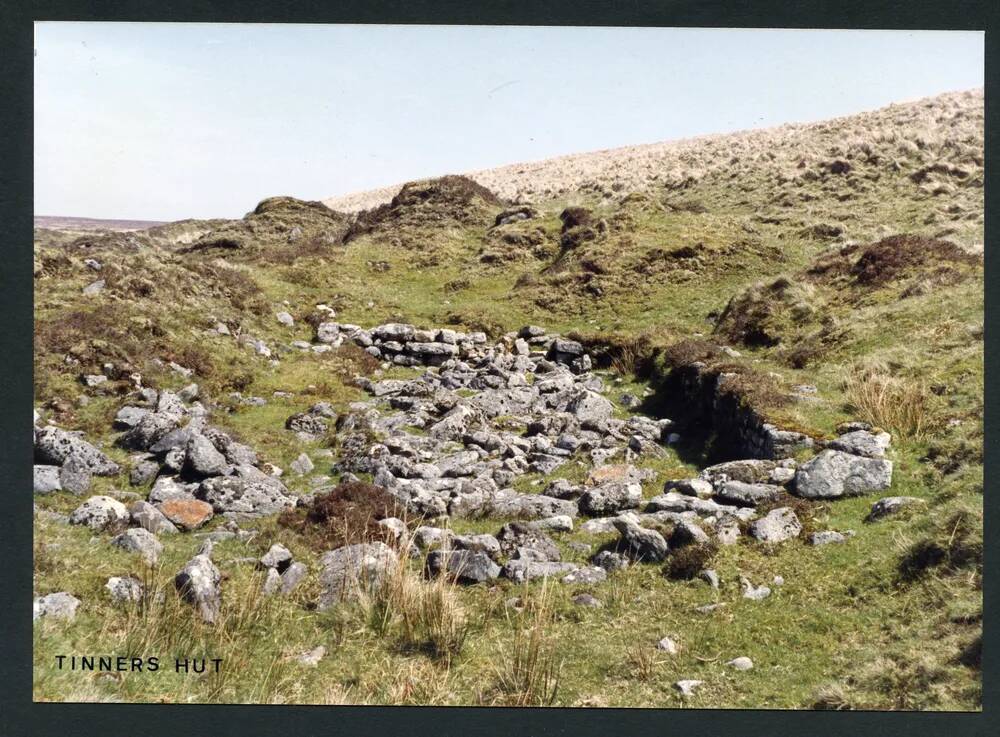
{"x": 19, "y": 715}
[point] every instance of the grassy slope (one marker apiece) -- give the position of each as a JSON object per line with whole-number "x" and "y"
{"x": 843, "y": 631}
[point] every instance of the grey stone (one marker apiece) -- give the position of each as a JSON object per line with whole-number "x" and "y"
{"x": 202, "y": 458}
{"x": 667, "y": 645}
{"x": 777, "y": 526}
{"x": 142, "y": 541}
{"x": 246, "y": 497}
{"x": 100, "y": 513}
{"x": 755, "y": 593}
{"x": 150, "y": 518}
{"x": 687, "y": 686}
{"x": 727, "y": 530}
{"x": 511, "y": 504}
{"x": 750, "y": 471}
{"x": 128, "y": 417}
{"x": 302, "y": 465}
{"x": 293, "y": 576}
{"x": 610, "y": 498}
{"x": 586, "y": 600}
{"x": 862, "y": 443}
{"x": 611, "y": 561}
{"x": 124, "y": 590}
{"x": 351, "y": 569}
{"x": 699, "y": 488}
{"x": 740, "y": 663}
{"x": 174, "y": 440}
{"x": 522, "y": 541}
{"x": 687, "y": 533}
{"x": 189, "y": 393}
{"x": 60, "y": 605}
{"x": 56, "y": 446}
{"x": 833, "y": 474}
{"x": 710, "y": 577}
{"x": 272, "y": 582}
{"x": 464, "y": 566}
{"x": 826, "y": 537}
{"x": 891, "y": 505}
{"x": 143, "y": 472}
{"x": 168, "y": 487}
{"x": 395, "y": 526}
{"x": 641, "y": 544}
{"x": 278, "y": 557}
{"x": 285, "y": 319}
{"x": 199, "y": 584}
{"x": 528, "y": 570}
{"x": 74, "y": 476}
{"x": 482, "y": 543}
{"x": 747, "y": 495}
{"x": 148, "y": 431}
{"x": 590, "y": 408}
{"x": 46, "y": 479}
{"x": 558, "y": 523}
{"x": 425, "y": 537}
{"x": 586, "y": 575}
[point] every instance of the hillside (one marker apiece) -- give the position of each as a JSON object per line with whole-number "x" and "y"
{"x": 525, "y": 379}
{"x": 673, "y": 163}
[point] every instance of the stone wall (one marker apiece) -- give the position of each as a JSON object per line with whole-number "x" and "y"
{"x": 695, "y": 392}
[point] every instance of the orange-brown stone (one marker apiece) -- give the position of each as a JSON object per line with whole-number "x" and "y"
{"x": 611, "y": 472}
{"x": 187, "y": 514}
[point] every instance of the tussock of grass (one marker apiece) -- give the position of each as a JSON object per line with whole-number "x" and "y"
{"x": 895, "y": 403}
{"x": 527, "y": 667}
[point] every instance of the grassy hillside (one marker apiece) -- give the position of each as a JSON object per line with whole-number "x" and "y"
{"x": 844, "y": 256}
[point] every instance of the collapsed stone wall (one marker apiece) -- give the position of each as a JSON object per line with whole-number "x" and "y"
{"x": 740, "y": 430}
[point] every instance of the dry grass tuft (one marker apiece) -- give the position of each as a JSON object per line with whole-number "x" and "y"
{"x": 896, "y": 403}
{"x": 527, "y": 671}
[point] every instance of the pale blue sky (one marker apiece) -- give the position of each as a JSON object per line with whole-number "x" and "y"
{"x": 167, "y": 121}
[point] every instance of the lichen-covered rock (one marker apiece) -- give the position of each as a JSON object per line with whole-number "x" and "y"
{"x": 138, "y": 540}
{"x": 199, "y": 584}
{"x": 777, "y": 526}
{"x": 125, "y": 589}
{"x": 100, "y": 513}
{"x": 56, "y": 446}
{"x": 891, "y": 505}
{"x": 75, "y": 476}
{"x": 150, "y": 518}
{"x": 610, "y": 498}
{"x": 202, "y": 458}
{"x": 640, "y": 543}
{"x": 46, "y": 479}
{"x": 60, "y": 605}
{"x": 862, "y": 443}
{"x": 464, "y": 566}
{"x": 278, "y": 557}
{"x": 590, "y": 408}
{"x": 352, "y": 569}
{"x": 750, "y": 471}
{"x": 245, "y": 497}
{"x": 833, "y": 474}
{"x": 528, "y": 570}
{"x": 747, "y": 495}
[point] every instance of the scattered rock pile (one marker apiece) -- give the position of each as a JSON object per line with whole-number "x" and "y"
{"x": 449, "y": 443}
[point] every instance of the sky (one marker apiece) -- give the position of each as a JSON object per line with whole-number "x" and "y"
{"x": 163, "y": 121}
